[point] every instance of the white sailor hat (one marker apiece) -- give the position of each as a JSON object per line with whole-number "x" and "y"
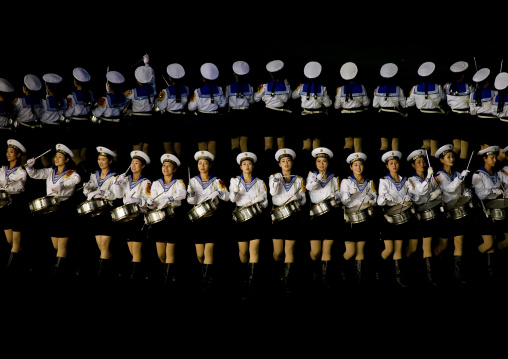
{"x": 143, "y": 74}
{"x": 501, "y": 81}
{"x": 168, "y": 157}
{"x": 32, "y": 82}
{"x": 246, "y": 156}
{"x": 81, "y": 74}
{"x": 104, "y": 151}
{"x": 241, "y": 68}
{"x": 459, "y": 66}
{"x": 274, "y": 66}
{"x": 443, "y": 150}
{"x": 52, "y": 78}
{"x": 416, "y": 154}
{"x": 284, "y": 152}
{"x": 348, "y": 71}
{"x": 505, "y": 149}
{"x": 388, "y": 70}
{"x": 481, "y": 75}
{"x": 356, "y": 156}
{"x": 312, "y": 69}
{"x": 64, "y": 149}
{"x": 204, "y": 155}
{"x": 489, "y": 150}
{"x": 209, "y": 71}
{"x": 322, "y": 152}
{"x": 140, "y": 155}
{"x": 175, "y": 71}
{"x": 426, "y": 69}
{"x": 16, "y": 145}
{"x": 5, "y": 86}
{"x": 115, "y": 77}
{"x": 391, "y": 155}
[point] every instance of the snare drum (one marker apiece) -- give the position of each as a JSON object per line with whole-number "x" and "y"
{"x": 429, "y": 210}
{"x": 497, "y": 208}
{"x": 242, "y": 214}
{"x": 204, "y": 209}
{"x": 323, "y": 207}
{"x": 43, "y": 205}
{"x": 93, "y": 207}
{"x": 400, "y": 213}
{"x": 458, "y": 207}
{"x": 284, "y": 211}
{"x": 125, "y": 213}
{"x": 5, "y": 199}
{"x": 359, "y": 213}
{"x": 158, "y": 215}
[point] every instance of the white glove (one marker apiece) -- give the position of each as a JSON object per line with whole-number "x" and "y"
{"x": 464, "y": 173}
{"x": 293, "y": 198}
{"x": 434, "y": 194}
{"x": 212, "y": 195}
{"x": 497, "y": 191}
{"x": 319, "y": 176}
{"x": 3, "y": 181}
{"x": 93, "y": 194}
{"x": 353, "y": 190}
{"x": 190, "y": 190}
{"x": 467, "y": 193}
{"x": 149, "y": 202}
{"x": 121, "y": 178}
{"x": 258, "y": 198}
{"x": 430, "y": 172}
{"x": 407, "y": 198}
{"x": 146, "y": 59}
{"x": 87, "y": 186}
{"x": 388, "y": 197}
{"x": 278, "y": 176}
{"x": 130, "y": 200}
{"x": 30, "y": 162}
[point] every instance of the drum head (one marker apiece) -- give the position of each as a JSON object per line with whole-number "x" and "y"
{"x": 497, "y": 203}
{"x": 399, "y": 208}
{"x": 457, "y": 202}
{"x": 428, "y": 205}
{"x": 358, "y": 208}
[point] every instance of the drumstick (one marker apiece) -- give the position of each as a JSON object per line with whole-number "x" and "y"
{"x": 128, "y": 168}
{"x": 42, "y": 154}
{"x": 470, "y": 157}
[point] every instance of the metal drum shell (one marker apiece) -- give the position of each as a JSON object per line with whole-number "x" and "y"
{"x": 247, "y": 212}
{"x": 497, "y": 208}
{"x": 43, "y": 205}
{"x": 158, "y": 215}
{"x": 284, "y": 211}
{"x": 5, "y": 199}
{"x": 125, "y": 213}
{"x": 204, "y": 209}
{"x": 93, "y": 207}
{"x": 358, "y": 214}
{"x": 429, "y": 210}
{"x": 323, "y": 207}
{"x": 399, "y": 213}
{"x": 458, "y": 207}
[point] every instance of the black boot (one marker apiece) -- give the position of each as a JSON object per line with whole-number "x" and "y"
{"x": 458, "y": 270}
{"x": 380, "y": 272}
{"x": 316, "y": 267}
{"x": 400, "y": 279}
{"x": 491, "y": 267}
{"x": 429, "y": 272}
{"x": 252, "y": 277}
{"x": 12, "y": 262}
{"x": 288, "y": 278}
{"x": 325, "y": 275}
{"x": 136, "y": 276}
{"x": 59, "y": 274}
{"x": 359, "y": 264}
{"x": 208, "y": 278}
{"x": 169, "y": 278}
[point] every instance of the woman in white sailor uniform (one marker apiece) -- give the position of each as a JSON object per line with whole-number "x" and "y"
{"x": 430, "y": 229}
{"x": 390, "y": 102}
{"x": 286, "y": 189}
{"x": 107, "y": 112}
{"x": 451, "y": 183}
{"x": 323, "y": 228}
{"x": 61, "y": 181}
{"x": 134, "y": 189}
{"x": 240, "y": 97}
{"x": 500, "y": 104}
{"x": 480, "y": 107}
{"x": 488, "y": 186}
{"x": 204, "y": 230}
{"x": 206, "y": 102}
{"x": 246, "y": 190}
{"x": 6, "y": 109}
{"x": 352, "y": 101}
{"x": 14, "y": 209}
{"x": 172, "y": 105}
{"x": 314, "y": 103}
{"x": 275, "y": 94}
{"x": 427, "y": 97}
{"x": 100, "y": 186}
{"x": 503, "y": 176}
{"x": 459, "y": 119}
{"x": 357, "y": 191}
{"x": 140, "y": 109}
{"x": 168, "y": 191}
{"x": 396, "y": 189}
{"x": 53, "y": 107}
{"x": 78, "y": 114}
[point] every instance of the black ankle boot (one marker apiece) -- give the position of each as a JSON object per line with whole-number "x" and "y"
{"x": 316, "y": 267}
{"x": 491, "y": 267}
{"x": 400, "y": 279}
{"x": 12, "y": 262}
{"x": 252, "y": 277}
{"x": 359, "y": 264}
{"x": 208, "y": 278}
{"x": 458, "y": 270}
{"x": 429, "y": 272}
{"x": 169, "y": 277}
{"x": 288, "y": 277}
{"x": 136, "y": 276}
{"x": 325, "y": 274}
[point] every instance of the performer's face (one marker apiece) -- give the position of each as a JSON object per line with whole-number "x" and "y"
{"x": 419, "y": 164}
{"x": 136, "y": 165}
{"x": 286, "y": 163}
{"x": 60, "y": 159}
{"x": 490, "y": 160}
{"x": 357, "y": 167}
{"x": 12, "y": 154}
{"x": 103, "y": 162}
{"x": 168, "y": 168}
{"x": 448, "y": 159}
{"x": 393, "y": 166}
{"x": 321, "y": 163}
{"x": 203, "y": 166}
{"x": 246, "y": 167}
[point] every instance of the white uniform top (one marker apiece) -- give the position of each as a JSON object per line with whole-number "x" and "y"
{"x": 503, "y": 176}
{"x": 486, "y": 102}
{"x": 417, "y": 97}
{"x": 458, "y": 100}
{"x": 202, "y": 101}
{"x": 68, "y": 180}
{"x": 503, "y": 112}
{"x": 13, "y": 180}
{"x": 141, "y": 103}
{"x": 451, "y": 185}
{"x": 139, "y": 189}
{"x": 358, "y": 100}
{"x": 281, "y": 191}
{"x": 365, "y": 191}
{"x": 236, "y": 100}
{"x": 204, "y": 190}
{"x": 316, "y": 100}
{"x": 104, "y": 107}
{"x": 394, "y": 99}
{"x": 163, "y": 194}
{"x": 76, "y": 107}
{"x": 96, "y": 183}
{"x": 248, "y": 191}
{"x": 22, "y": 111}
{"x": 483, "y": 184}
{"x": 424, "y": 187}
{"x": 167, "y": 100}
{"x": 398, "y": 190}
{"x": 320, "y": 189}
{"x": 51, "y": 113}
{"x": 279, "y": 99}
